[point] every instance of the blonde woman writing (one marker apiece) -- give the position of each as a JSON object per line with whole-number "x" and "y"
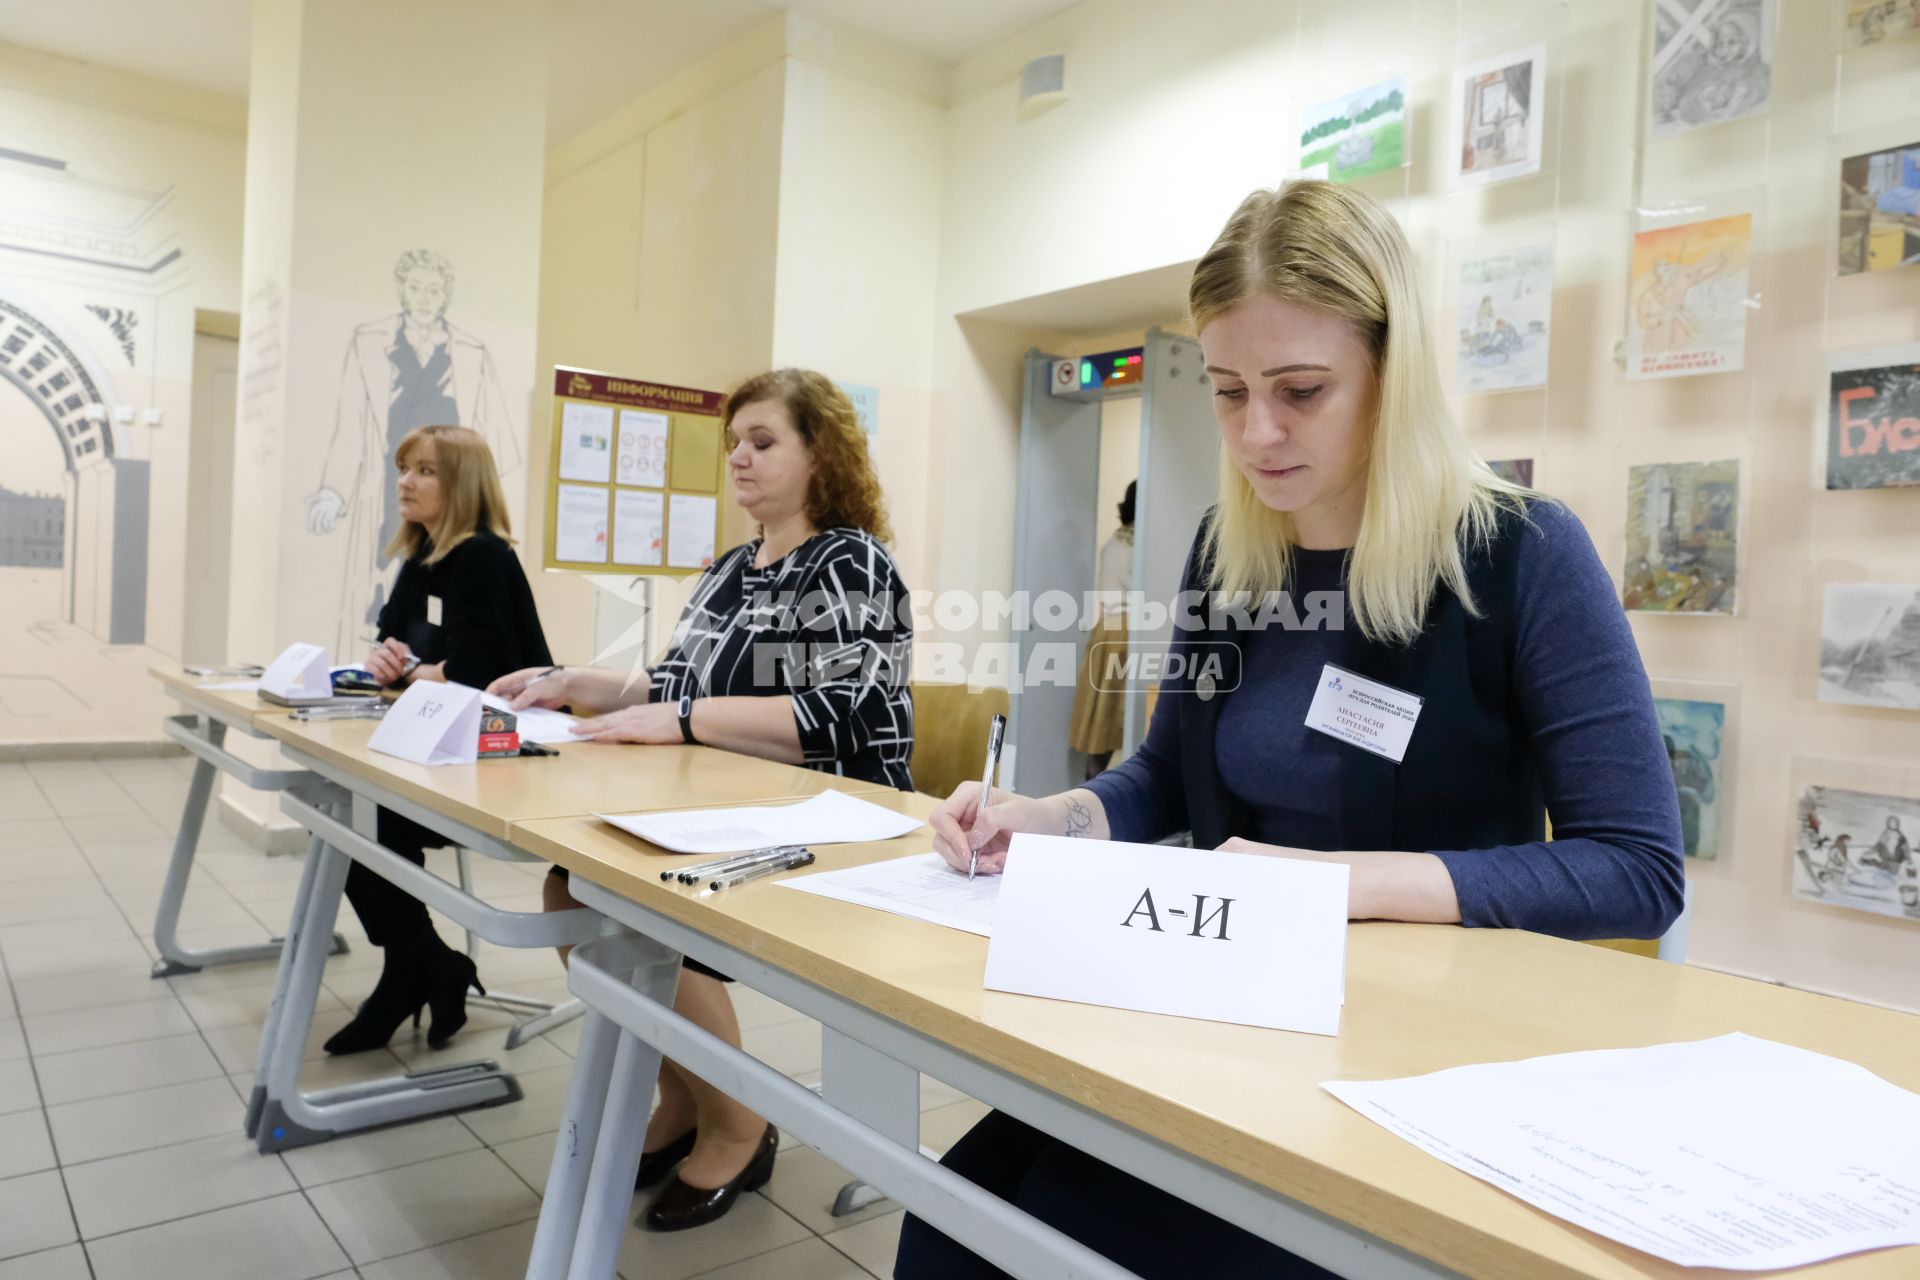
{"x": 1370, "y": 541}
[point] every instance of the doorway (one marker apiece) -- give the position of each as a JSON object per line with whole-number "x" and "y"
{"x": 1069, "y": 465}
{"x": 216, "y": 371}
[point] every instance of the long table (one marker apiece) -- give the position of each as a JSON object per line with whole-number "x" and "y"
{"x": 473, "y": 806}
{"x": 1230, "y": 1118}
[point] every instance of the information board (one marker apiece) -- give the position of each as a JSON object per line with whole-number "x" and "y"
{"x": 634, "y": 479}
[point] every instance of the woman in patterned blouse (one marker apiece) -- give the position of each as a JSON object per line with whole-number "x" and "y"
{"x": 796, "y": 647}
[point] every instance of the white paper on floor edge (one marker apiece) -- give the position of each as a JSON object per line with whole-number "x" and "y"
{"x": 1735, "y": 1152}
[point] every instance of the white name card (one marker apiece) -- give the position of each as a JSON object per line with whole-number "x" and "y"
{"x": 1365, "y": 712}
{"x": 1229, "y": 937}
{"x": 431, "y": 723}
{"x": 301, "y": 673}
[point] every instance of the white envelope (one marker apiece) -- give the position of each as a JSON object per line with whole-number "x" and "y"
{"x": 1143, "y": 926}
{"x": 301, "y": 673}
{"x": 431, "y": 723}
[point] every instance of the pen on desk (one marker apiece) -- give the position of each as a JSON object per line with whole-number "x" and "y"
{"x": 733, "y": 862}
{"x": 786, "y": 862}
{"x": 995, "y": 736}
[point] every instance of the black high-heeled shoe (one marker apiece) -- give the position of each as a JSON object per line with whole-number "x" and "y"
{"x": 400, "y": 994}
{"x": 655, "y": 1165}
{"x": 449, "y": 974}
{"x": 681, "y": 1205}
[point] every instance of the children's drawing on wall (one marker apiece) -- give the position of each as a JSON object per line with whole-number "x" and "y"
{"x": 1517, "y": 470}
{"x": 1873, "y": 424}
{"x": 1506, "y": 300}
{"x": 1880, "y": 210}
{"x": 1687, "y": 312}
{"x": 1682, "y": 537}
{"x": 1870, "y": 645}
{"x": 1855, "y": 849}
{"x": 1501, "y": 103}
{"x": 411, "y": 369}
{"x": 1872, "y": 21}
{"x": 1357, "y": 133}
{"x": 1712, "y": 62}
{"x": 1694, "y": 732}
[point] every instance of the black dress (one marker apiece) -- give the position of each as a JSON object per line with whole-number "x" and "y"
{"x": 488, "y": 626}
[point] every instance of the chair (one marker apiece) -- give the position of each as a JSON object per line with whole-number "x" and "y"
{"x": 950, "y": 733}
{"x": 544, "y": 1014}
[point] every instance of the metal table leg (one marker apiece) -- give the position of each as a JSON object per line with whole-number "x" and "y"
{"x": 205, "y": 739}
{"x": 289, "y": 1118}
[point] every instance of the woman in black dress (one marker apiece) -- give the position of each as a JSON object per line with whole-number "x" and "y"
{"x": 461, "y": 611}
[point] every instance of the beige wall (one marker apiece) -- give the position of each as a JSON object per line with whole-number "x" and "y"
{"x": 657, "y": 261}
{"x": 149, "y": 168}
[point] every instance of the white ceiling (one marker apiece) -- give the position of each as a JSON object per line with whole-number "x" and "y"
{"x": 614, "y": 50}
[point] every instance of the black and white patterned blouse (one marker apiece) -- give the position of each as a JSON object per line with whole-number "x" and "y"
{"x": 827, "y": 625}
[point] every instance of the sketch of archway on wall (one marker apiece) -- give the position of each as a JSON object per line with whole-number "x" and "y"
{"x": 72, "y": 392}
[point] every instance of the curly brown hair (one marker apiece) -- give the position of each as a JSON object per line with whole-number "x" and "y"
{"x": 844, "y": 491}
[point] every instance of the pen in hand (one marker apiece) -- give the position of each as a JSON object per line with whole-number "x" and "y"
{"x": 996, "y": 735}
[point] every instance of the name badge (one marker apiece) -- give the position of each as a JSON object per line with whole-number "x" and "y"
{"x": 1373, "y": 716}
{"x": 433, "y": 611}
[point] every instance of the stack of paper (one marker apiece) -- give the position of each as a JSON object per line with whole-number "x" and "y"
{"x": 1736, "y": 1153}
{"x": 831, "y": 817}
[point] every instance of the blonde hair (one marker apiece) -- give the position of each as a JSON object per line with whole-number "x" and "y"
{"x": 1429, "y": 496}
{"x": 471, "y": 499}
{"x": 844, "y": 492}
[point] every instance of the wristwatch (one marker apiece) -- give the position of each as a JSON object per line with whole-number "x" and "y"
{"x": 686, "y": 720}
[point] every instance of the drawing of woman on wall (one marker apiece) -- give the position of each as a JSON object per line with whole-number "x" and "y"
{"x": 413, "y": 369}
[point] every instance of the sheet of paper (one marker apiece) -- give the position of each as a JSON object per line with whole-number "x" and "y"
{"x": 1735, "y": 1152}
{"x": 637, "y": 522}
{"x": 831, "y": 817}
{"x": 643, "y": 449}
{"x": 1178, "y": 931}
{"x": 586, "y": 442}
{"x": 690, "y": 529}
{"x": 231, "y": 686}
{"x": 537, "y": 724}
{"x": 580, "y": 524}
{"x": 431, "y": 723}
{"x": 923, "y": 887}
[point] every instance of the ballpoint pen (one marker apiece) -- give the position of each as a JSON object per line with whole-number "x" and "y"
{"x": 786, "y": 862}
{"x": 733, "y": 862}
{"x": 996, "y": 735}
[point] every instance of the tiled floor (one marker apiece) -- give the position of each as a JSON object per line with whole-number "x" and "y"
{"x": 121, "y": 1155}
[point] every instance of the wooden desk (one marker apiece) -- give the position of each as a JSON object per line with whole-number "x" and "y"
{"x": 473, "y": 806}
{"x": 588, "y": 777}
{"x": 1244, "y": 1101}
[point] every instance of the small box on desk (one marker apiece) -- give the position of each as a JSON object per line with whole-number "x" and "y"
{"x": 499, "y": 733}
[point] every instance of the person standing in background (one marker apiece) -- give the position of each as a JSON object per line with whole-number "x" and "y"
{"x": 1100, "y": 700}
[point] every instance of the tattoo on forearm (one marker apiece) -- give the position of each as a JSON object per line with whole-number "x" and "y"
{"x": 1079, "y": 818}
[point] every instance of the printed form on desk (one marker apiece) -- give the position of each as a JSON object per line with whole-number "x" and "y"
{"x": 1735, "y": 1152}
{"x": 922, "y": 887}
{"x": 832, "y": 817}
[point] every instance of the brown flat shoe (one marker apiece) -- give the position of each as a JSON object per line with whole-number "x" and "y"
{"x": 680, "y": 1206}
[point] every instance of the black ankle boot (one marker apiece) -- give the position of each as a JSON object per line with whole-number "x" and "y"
{"x": 448, "y": 975}
{"x": 399, "y": 994}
